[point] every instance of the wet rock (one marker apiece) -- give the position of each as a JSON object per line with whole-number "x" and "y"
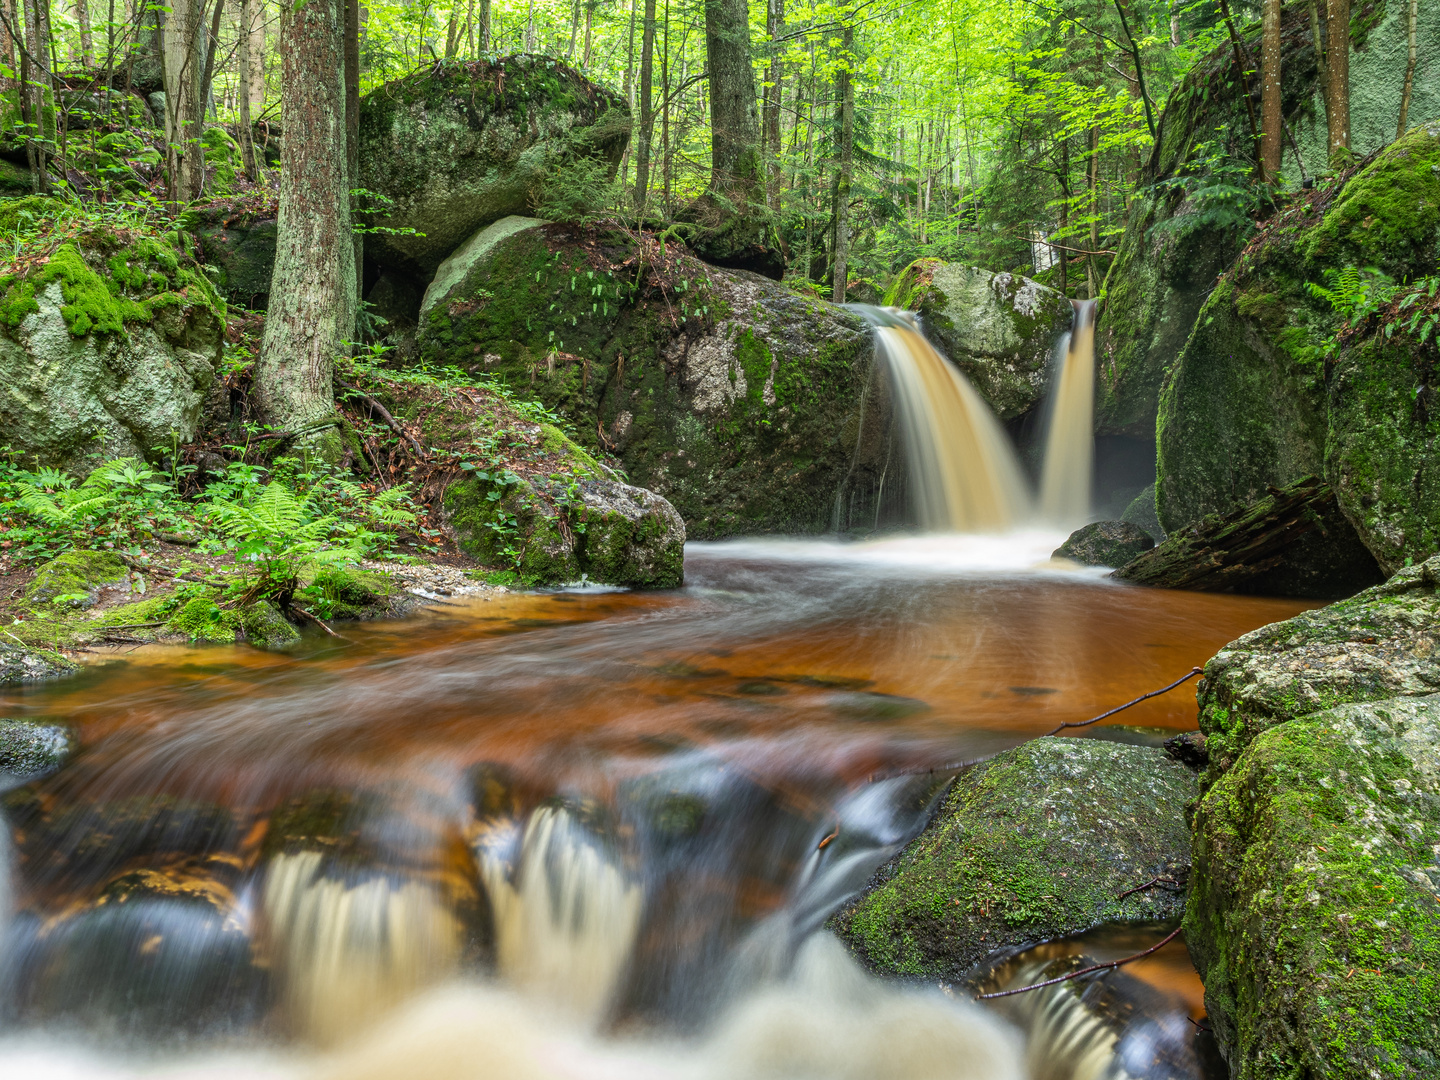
{"x": 1293, "y": 542}
{"x": 746, "y": 406}
{"x": 30, "y": 665}
{"x": 1105, "y": 543}
{"x": 1037, "y": 843}
{"x": 266, "y": 628}
{"x": 123, "y": 368}
{"x": 30, "y": 748}
{"x": 1314, "y": 909}
{"x": 1141, "y": 512}
{"x": 460, "y": 145}
{"x": 1000, "y": 329}
{"x": 1188, "y": 748}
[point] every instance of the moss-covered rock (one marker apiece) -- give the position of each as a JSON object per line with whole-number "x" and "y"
{"x": 1248, "y": 404}
{"x": 747, "y": 407}
{"x": 30, "y": 748}
{"x": 201, "y": 619}
{"x": 19, "y": 665}
{"x": 75, "y": 579}
{"x": 460, "y": 145}
{"x": 265, "y": 627}
{"x": 1000, "y": 329}
{"x": 1037, "y": 843}
{"x": 107, "y": 347}
{"x": 1141, "y": 512}
{"x": 1105, "y": 543}
{"x": 1314, "y": 909}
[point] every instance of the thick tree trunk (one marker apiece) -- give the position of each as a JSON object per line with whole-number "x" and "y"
{"x": 352, "y": 133}
{"x": 734, "y": 121}
{"x": 9, "y": 54}
{"x": 212, "y": 42}
{"x": 312, "y": 292}
{"x": 845, "y": 95}
{"x": 247, "y": 133}
{"x": 1317, "y": 35}
{"x": 256, "y": 27}
{"x": 1271, "y": 120}
{"x": 181, "y": 63}
{"x": 482, "y": 27}
{"x": 774, "y": 96}
{"x": 647, "y": 108}
{"x": 1412, "y": 17}
{"x": 1337, "y": 85}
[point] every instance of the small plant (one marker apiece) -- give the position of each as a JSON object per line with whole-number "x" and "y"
{"x": 1354, "y": 294}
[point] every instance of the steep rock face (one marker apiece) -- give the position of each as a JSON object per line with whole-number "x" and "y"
{"x": 460, "y": 145}
{"x": 1314, "y": 908}
{"x": 999, "y": 329}
{"x": 746, "y": 406}
{"x": 107, "y": 350}
{"x": 1035, "y": 844}
{"x": 1249, "y": 402}
{"x": 1176, "y": 244}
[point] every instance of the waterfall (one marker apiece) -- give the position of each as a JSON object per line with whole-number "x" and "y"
{"x": 1070, "y": 432}
{"x": 963, "y": 472}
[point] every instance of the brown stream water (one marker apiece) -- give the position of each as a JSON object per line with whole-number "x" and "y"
{"x": 565, "y": 835}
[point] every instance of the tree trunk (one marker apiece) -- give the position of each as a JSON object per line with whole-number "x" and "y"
{"x": 1337, "y": 86}
{"x": 1317, "y": 35}
{"x": 312, "y": 291}
{"x": 212, "y": 41}
{"x": 247, "y": 133}
{"x": 1271, "y": 120}
{"x": 482, "y": 27}
{"x": 734, "y": 124}
{"x": 1411, "y": 19}
{"x": 845, "y": 95}
{"x": 352, "y": 137}
{"x": 530, "y": 27}
{"x": 452, "y": 32}
{"x": 647, "y": 108}
{"x": 589, "y": 21}
{"x": 35, "y": 79}
{"x": 181, "y": 62}
{"x": 774, "y": 96}
{"x": 256, "y": 28}
{"x": 87, "y": 40}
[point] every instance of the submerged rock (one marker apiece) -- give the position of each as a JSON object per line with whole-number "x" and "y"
{"x": 1314, "y": 909}
{"x": 1037, "y": 843}
{"x": 1105, "y": 543}
{"x": 999, "y": 329}
{"x": 30, "y": 748}
{"x": 107, "y": 347}
{"x": 459, "y": 145}
{"x": 746, "y": 406}
{"x": 1293, "y": 542}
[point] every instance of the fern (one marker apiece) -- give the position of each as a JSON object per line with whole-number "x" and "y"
{"x": 1355, "y": 294}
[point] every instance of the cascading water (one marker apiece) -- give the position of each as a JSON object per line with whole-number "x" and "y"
{"x": 1070, "y": 431}
{"x": 963, "y": 472}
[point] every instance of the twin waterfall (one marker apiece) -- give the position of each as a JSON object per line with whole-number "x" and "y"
{"x": 964, "y": 472}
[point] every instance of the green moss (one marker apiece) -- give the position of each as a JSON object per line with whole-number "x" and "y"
{"x": 74, "y": 578}
{"x": 265, "y": 627}
{"x": 202, "y": 619}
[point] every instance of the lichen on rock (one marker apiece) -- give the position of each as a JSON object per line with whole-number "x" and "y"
{"x": 1035, "y": 844}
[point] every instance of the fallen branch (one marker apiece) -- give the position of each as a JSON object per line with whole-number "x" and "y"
{"x": 1150, "y": 885}
{"x": 825, "y": 842}
{"x": 384, "y": 413}
{"x": 1121, "y": 708}
{"x": 1084, "y": 971}
{"x": 313, "y": 618}
{"x": 133, "y": 626}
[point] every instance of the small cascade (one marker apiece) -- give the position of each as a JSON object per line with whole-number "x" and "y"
{"x": 964, "y": 475}
{"x": 566, "y": 929}
{"x": 1070, "y": 432}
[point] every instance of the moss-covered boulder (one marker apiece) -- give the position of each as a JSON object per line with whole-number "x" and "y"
{"x": 746, "y": 406}
{"x": 1000, "y": 329}
{"x": 76, "y": 579}
{"x": 107, "y": 346}
{"x": 1265, "y": 392}
{"x": 1051, "y": 838}
{"x": 1105, "y": 543}
{"x": 1314, "y": 908}
{"x": 462, "y": 144}
{"x": 19, "y": 665}
{"x": 263, "y": 625}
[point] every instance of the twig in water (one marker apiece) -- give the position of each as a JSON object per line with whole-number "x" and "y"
{"x": 1121, "y": 708}
{"x": 1149, "y": 885}
{"x": 823, "y": 843}
{"x": 323, "y": 626}
{"x": 1085, "y": 971}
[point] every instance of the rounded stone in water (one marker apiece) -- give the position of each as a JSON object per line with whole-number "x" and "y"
{"x": 30, "y": 748}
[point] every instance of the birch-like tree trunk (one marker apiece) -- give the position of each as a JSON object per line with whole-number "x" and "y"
{"x": 1337, "y": 83}
{"x": 1271, "y": 119}
{"x": 312, "y": 291}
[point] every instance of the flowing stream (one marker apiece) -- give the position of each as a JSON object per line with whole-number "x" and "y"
{"x": 579, "y": 834}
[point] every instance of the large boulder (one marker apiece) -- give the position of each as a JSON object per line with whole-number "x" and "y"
{"x": 19, "y": 664}
{"x": 1049, "y": 839}
{"x": 748, "y": 407}
{"x": 1314, "y": 908}
{"x": 1105, "y": 543}
{"x": 236, "y": 239}
{"x": 999, "y": 329}
{"x": 1265, "y": 391}
{"x": 462, "y": 144}
{"x": 108, "y": 346}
